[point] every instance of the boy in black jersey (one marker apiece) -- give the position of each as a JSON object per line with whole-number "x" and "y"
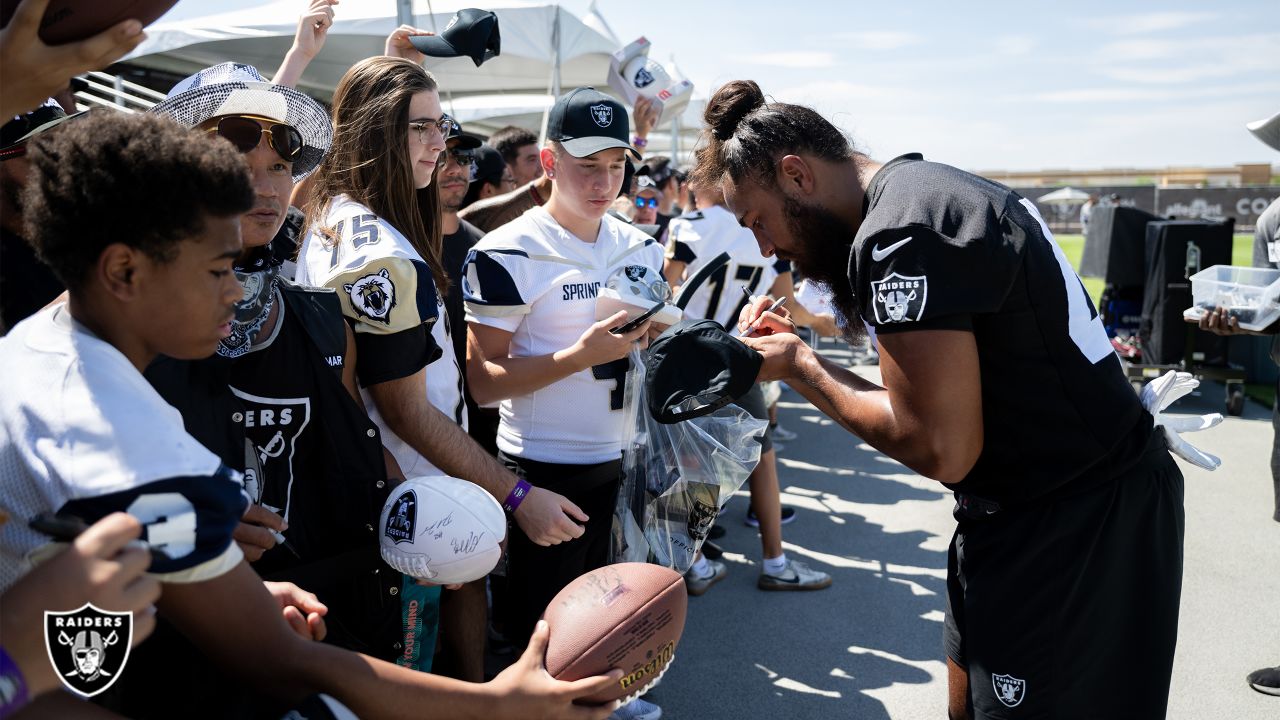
{"x": 1065, "y": 570}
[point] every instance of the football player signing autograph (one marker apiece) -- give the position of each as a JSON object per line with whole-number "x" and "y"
{"x": 1065, "y": 569}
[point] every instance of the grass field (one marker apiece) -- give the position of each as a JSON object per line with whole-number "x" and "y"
{"x": 1073, "y": 248}
{"x": 1241, "y": 254}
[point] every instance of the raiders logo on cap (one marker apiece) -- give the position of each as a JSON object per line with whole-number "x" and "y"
{"x": 602, "y": 114}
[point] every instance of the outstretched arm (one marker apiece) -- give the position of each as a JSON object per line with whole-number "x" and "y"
{"x": 313, "y": 28}
{"x": 928, "y": 415}
{"x": 235, "y": 621}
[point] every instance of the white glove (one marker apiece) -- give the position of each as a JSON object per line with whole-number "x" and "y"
{"x": 1162, "y": 392}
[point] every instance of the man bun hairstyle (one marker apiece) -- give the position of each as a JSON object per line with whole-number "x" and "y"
{"x": 745, "y": 136}
{"x": 141, "y": 180}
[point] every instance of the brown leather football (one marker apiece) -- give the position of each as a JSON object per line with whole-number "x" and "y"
{"x": 627, "y": 616}
{"x": 66, "y": 21}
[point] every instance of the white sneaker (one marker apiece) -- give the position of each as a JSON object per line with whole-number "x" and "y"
{"x": 780, "y": 433}
{"x": 797, "y": 576}
{"x": 637, "y": 709}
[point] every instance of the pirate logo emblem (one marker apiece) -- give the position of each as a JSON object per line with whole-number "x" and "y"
{"x": 602, "y": 114}
{"x": 373, "y": 296}
{"x": 402, "y": 518}
{"x": 644, "y": 78}
{"x": 898, "y": 298}
{"x": 88, "y": 647}
{"x": 1010, "y": 690}
{"x": 701, "y": 517}
{"x": 635, "y": 273}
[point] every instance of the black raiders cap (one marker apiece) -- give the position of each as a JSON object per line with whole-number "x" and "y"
{"x": 586, "y": 121}
{"x": 695, "y": 368}
{"x": 470, "y": 33}
{"x": 466, "y": 140}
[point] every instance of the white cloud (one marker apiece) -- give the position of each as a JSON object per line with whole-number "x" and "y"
{"x": 1144, "y": 23}
{"x": 1188, "y": 60}
{"x": 878, "y": 39}
{"x": 800, "y": 59}
{"x": 1015, "y": 44}
{"x": 1146, "y": 94}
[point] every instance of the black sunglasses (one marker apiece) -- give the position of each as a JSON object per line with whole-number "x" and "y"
{"x": 245, "y": 133}
{"x": 464, "y": 158}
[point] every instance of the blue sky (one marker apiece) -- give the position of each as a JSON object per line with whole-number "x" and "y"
{"x": 988, "y": 85}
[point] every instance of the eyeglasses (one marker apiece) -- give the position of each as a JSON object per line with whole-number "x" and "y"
{"x": 245, "y": 133}
{"x": 445, "y": 125}
{"x": 646, "y": 202}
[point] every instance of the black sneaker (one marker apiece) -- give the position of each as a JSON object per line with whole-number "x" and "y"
{"x": 717, "y": 532}
{"x": 1265, "y": 681}
{"x": 788, "y": 515}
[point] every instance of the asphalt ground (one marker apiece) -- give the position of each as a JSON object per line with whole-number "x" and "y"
{"x": 871, "y": 645}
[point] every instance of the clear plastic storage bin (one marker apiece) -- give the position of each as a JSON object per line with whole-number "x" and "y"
{"x": 1251, "y": 295}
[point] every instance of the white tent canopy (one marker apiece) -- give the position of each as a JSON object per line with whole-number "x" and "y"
{"x": 1064, "y": 196}
{"x": 532, "y": 33}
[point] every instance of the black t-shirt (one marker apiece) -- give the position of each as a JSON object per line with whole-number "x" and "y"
{"x": 454, "y": 257}
{"x": 940, "y": 248}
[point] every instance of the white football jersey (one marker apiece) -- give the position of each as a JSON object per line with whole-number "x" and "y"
{"x": 697, "y": 238}
{"x": 386, "y": 288}
{"x": 83, "y": 433}
{"x": 534, "y": 279}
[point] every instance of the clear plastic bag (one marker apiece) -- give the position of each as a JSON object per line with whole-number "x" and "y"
{"x": 677, "y": 477}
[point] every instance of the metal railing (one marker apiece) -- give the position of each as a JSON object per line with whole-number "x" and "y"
{"x": 103, "y": 90}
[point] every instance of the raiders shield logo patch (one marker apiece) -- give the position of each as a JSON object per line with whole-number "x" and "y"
{"x": 644, "y": 78}
{"x": 1010, "y": 690}
{"x": 635, "y": 273}
{"x": 88, "y": 647}
{"x": 602, "y": 114}
{"x": 373, "y": 296}
{"x": 898, "y": 298}
{"x": 403, "y": 518}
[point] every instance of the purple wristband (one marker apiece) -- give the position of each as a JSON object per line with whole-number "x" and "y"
{"x": 13, "y": 686}
{"x": 517, "y": 496}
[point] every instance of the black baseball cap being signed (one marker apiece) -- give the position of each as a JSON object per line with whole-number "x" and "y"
{"x": 695, "y": 368}
{"x": 586, "y": 121}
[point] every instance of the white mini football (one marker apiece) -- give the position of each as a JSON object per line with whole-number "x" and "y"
{"x": 442, "y": 529}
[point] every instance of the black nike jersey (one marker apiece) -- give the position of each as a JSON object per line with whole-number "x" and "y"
{"x": 940, "y": 248}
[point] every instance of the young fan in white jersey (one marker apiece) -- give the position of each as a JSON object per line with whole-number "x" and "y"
{"x": 535, "y": 344}
{"x": 696, "y": 239}
{"x": 367, "y": 239}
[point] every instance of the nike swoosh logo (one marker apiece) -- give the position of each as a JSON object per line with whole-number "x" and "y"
{"x": 878, "y": 254}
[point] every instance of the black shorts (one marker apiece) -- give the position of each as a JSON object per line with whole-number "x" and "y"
{"x": 1068, "y": 608}
{"x": 535, "y": 573}
{"x": 753, "y": 403}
